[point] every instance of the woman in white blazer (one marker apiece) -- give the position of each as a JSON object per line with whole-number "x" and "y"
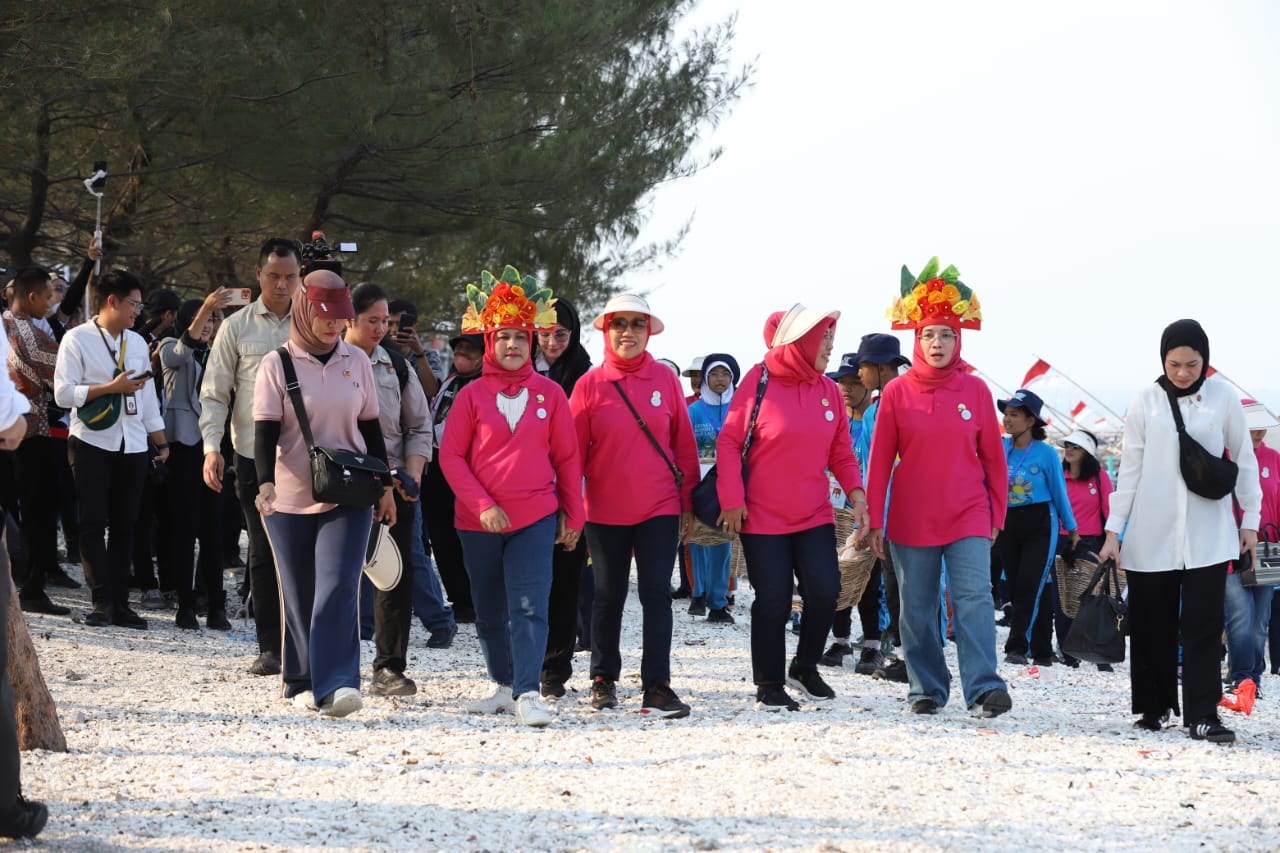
{"x": 1176, "y": 543}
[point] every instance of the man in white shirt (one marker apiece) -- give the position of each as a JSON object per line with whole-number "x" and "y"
{"x": 102, "y": 370}
{"x": 243, "y": 340}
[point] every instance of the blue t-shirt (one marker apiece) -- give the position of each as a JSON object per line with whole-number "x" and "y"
{"x": 1035, "y": 476}
{"x": 708, "y": 420}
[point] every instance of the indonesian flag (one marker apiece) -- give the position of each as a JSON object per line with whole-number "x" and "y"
{"x": 1038, "y": 370}
{"x": 1210, "y": 371}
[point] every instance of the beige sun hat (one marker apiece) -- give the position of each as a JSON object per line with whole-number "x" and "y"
{"x": 382, "y": 562}
{"x": 1256, "y": 416}
{"x": 695, "y": 366}
{"x": 631, "y": 303}
{"x": 797, "y": 321}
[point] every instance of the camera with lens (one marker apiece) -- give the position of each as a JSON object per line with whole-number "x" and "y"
{"x": 318, "y": 254}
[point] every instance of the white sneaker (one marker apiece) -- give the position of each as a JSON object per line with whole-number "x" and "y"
{"x": 305, "y": 701}
{"x": 499, "y": 703}
{"x": 532, "y": 711}
{"x": 344, "y": 701}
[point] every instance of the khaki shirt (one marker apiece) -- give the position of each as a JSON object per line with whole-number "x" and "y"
{"x": 404, "y": 416}
{"x": 243, "y": 340}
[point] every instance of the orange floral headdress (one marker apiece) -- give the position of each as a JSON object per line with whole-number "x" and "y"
{"x": 509, "y": 302}
{"x": 935, "y": 299}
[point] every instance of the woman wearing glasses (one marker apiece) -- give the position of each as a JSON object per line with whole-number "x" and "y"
{"x": 561, "y": 358}
{"x": 641, "y": 463}
{"x": 938, "y": 423}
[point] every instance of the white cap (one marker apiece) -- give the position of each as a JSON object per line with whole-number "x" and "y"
{"x": 797, "y": 321}
{"x": 695, "y": 366}
{"x": 1256, "y": 416}
{"x": 632, "y": 303}
{"x": 382, "y": 561}
{"x": 1081, "y": 439}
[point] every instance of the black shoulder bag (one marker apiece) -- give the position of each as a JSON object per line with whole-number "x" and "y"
{"x": 706, "y": 500}
{"x": 1206, "y": 475}
{"x": 1097, "y": 634}
{"x": 337, "y": 476}
{"x": 675, "y": 472}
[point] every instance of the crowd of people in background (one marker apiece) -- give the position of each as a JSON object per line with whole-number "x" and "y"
{"x": 159, "y": 429}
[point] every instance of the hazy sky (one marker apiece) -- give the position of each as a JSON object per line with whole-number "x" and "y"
{"x": 1094, "y": 169}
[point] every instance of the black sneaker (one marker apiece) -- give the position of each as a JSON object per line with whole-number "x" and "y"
{"x": 552, "y": 689}
{"x": 442, "y": 638}
{"x": 808, "y": 682}
{"x": 893, "y": 670}
{"x": 924, "y": 706}
{"x": 1106, "y": 667}
{"x": 40, "y": 603}
{"x": 59, "y": 578}
{"x": 267, "y": 663}
{"x": 993, "y": 703}
{"x": 836, "y": 654}
{"x": 388, "y": 682}
{"x": 720, "y": 617}
{"x": 217, "y": 619}
{"x": 1151, "y": 722}
{"x": 23, "y": 819}
{"x": 1212, "y": 730}
{"x": 1016, "y": 659}
{"x": 186, "y": 618}
{"x": 698, "y": 606}
{"x": 869, "y": 662}
{"x": 126, "y": 617}
{"x": 99, "y": 617}
{"x": 603, "y": 694}
{"x": 682, "y": 592}
{"x": 661, "y": 701}
{"x": 1042, "y": 661}
{"x": 1006, "y": 616}
{"x": 774, "y": 697}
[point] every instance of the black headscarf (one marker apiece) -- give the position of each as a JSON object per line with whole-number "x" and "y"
{"x": 1183, "y": 333}
{"x": 574, "y": 361}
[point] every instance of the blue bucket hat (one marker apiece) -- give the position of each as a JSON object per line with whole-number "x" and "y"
{"x": 848, "y": 364}
{"x": 1024, "y": 399}
{"x": 880, "y": 348}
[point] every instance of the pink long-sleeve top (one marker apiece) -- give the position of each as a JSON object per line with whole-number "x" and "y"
{"x": 1269, "y": 475}
{"x": 951, "y": 480}
{"x": 627, "y": 482}
{"x": 1090, "y": 503}
{"x": 529, "y": 473}
{"x": 801, "y": 432}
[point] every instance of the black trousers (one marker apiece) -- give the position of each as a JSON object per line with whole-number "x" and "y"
{"x": 108, "y": 485}
{"x": 10, "y": 765}
{"x": 1024, "y": 552}
{"x": 195, "y": 512}
{"x": 567, "y": 568}
{"x": 264, "y": 586}
{"x": 36, "y": 470}
{"x": 438, "y": 525}
{"x": 68, "y": 505}
{"x": 1165, "y": 609}
{"x": 393, "y": 609}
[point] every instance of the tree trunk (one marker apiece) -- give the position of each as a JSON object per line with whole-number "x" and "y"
{"x": 37, "y": 716}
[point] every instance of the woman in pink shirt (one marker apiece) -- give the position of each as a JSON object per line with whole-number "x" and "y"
{"x": 318, "y": 547}
{"x": 784, "y": 512}
{"x": 641, "y": 464}
{"x": 511, "y": 456}
{"x": 950, "y": 489}
{"x": 1089, "y": 492}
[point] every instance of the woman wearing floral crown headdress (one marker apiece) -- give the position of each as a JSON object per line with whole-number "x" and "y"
{"x": 938, "y": 424}
{"x": 512, "y": 458}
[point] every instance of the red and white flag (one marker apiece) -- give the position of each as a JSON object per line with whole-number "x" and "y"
{"x": 1038, "y": 371}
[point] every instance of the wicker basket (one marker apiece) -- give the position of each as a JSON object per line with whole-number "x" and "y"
{"x": 855, "y": 571}
{"x": 703, "y": 535}
{"x": 1073, "y": 581}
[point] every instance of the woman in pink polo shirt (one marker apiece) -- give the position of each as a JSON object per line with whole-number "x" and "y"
{"x": 318, "y": 547}
{"x": 511, "y": 456}
{"x": 785, "y": 515}
{"x": 638, "y": 496}
{"x": 950, "y": 489}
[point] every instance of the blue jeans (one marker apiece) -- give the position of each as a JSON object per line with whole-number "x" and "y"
{"x": 428, "y": 597}
{"x": 919, "y": 571}
{"x": 318, "y": 557}
{"x": 1247, "y": 616}
{"x": 510, "y": 577}
{"x": 711, "y": 573}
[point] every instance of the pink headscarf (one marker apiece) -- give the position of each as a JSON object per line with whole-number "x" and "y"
{"x": 923, "y": 377}
{"x": 794, "y": 361}
{"x": 323, "y": 294}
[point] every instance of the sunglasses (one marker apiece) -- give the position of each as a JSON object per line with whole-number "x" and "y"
{"x": 620, "y": 324}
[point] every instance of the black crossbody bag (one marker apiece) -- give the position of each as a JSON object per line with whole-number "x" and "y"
{"x": 706, "y": 500}
{"x": 341, "y": 477}
{"x": 675, "y": 472}
{"x": 1209, "y": 476}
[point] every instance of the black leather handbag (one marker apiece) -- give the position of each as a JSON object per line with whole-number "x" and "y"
{"x": 1206, "y": 475}
{"x": 341, "y": 477}
{"x": 706, "y": 500}
{"x": 1097, "y": 634}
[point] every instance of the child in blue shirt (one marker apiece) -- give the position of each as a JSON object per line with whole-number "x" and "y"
{"x": 720, "y": 375}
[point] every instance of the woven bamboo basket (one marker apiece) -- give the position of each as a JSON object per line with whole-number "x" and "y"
{"x": 855, "y": 571}
{"x": 1074, "y": 580}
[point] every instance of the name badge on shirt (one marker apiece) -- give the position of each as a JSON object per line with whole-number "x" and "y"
{"x": 131, "y": 404}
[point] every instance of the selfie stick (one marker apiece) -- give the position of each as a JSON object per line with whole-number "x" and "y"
{"x": 97, "y": 226}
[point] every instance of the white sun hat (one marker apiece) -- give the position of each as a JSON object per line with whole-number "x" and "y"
{"x": 1256, "y": 416}
{"x": 1082, "y": 440}
{"x": 382, "y": 561}
{"x": 632, "y": 303}
{"x": 695, "y": 366}
{"x": 797, "y": 321}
